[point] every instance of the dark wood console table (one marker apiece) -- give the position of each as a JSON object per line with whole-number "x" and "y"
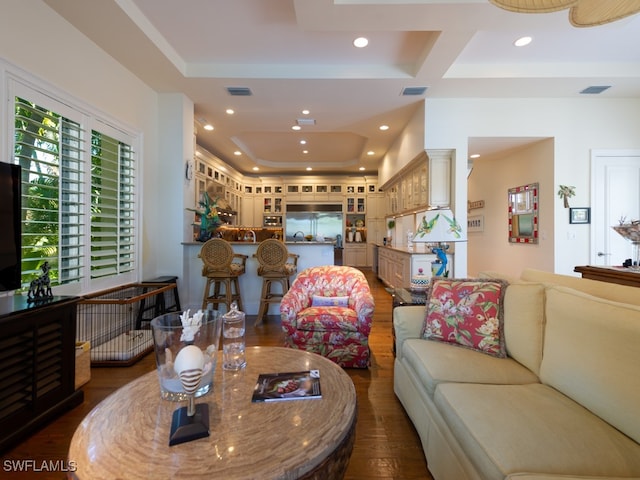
{"x": 37, "y": 355}
{"x": 620, "y": 275}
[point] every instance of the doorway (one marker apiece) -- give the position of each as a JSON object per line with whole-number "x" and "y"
{"x": 615, "y": 196}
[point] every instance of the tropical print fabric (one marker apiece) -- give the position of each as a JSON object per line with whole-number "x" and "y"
{"x": 340, "y": 334}
{"x": 468, "y": 313}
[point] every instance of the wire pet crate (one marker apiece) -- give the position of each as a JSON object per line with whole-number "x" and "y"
{"x": 116, "y": 322}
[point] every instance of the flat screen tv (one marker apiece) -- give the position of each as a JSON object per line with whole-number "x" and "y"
{"x": 10, "y": 220}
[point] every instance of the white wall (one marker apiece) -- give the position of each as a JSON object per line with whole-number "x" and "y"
{"x": 81, "y": 70}
{"x": 576, "y": 125}
{"x": 489, "y": 181}
{"x": 409, "y": 144}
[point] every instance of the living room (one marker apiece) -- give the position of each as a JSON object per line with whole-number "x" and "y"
{"x": 559, "y": 138}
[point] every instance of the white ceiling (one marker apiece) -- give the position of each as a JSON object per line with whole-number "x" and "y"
{"x": 297, "y": 54}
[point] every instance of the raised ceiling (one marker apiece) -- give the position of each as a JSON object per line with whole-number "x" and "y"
{"x": 298, "y": 54}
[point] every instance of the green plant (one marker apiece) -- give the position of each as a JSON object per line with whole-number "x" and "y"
{"x": 391, "y": 224}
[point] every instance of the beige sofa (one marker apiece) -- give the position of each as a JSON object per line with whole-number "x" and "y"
{"x": 564, "y": 404}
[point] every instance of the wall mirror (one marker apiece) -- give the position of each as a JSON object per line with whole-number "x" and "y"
{"x": 523, "y": 214}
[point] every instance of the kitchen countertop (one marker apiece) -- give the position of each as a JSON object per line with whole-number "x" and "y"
{"x": 418, "y": 249}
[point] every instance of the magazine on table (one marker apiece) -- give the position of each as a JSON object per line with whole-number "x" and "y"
{"x": 275, "y": 387}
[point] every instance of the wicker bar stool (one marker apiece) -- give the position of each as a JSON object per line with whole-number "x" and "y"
{"x": 276, "y": 265}
{"x": 222, "y": 267}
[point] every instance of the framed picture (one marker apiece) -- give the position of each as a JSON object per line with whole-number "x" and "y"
{"x": 580, "y": 215}
{"x": 523, "y": 213}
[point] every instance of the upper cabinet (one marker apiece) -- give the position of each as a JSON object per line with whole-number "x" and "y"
{"x": 424, "y": 183}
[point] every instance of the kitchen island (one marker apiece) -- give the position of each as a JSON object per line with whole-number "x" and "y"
{"x": 397, "y": 264}
{"x": 311, "y": 254}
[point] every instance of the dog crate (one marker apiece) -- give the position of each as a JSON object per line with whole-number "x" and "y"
{"x": 116, "y": 322}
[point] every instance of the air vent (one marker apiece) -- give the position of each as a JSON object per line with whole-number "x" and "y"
{"x": 413, "y": 91}
{"x": 239, "y": 91}
{"x": 304, "y": 122}
{"x": 594, "y": 90}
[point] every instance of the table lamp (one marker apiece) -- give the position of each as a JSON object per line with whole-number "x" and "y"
{"x": 438, "y": 228}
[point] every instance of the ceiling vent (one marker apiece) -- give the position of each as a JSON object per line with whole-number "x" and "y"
{"x": 594, "y": 90}
{"x": 239, "y": 91}
{"x": 413, "y": 91}
{"x": 305, "y": 122}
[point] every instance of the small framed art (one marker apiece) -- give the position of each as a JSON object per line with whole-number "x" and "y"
{"x": 580, "y": 215}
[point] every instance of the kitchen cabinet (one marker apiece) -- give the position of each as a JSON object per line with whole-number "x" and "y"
{"x": 424, "y": 183}
{"x": 355, "y": 254}
{"x": 397, "y": 265}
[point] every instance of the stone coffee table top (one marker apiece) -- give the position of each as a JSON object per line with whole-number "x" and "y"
{"x": 127, "y": 434}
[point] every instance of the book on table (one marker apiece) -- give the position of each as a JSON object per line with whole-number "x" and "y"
{"x": 274, "y": 387}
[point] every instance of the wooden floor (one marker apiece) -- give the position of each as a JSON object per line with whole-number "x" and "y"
{"x": 387, "y": 446}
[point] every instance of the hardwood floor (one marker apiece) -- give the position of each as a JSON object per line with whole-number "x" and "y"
{"x": 387, "y": 446}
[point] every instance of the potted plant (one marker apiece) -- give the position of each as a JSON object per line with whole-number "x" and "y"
{"x": 391, "y": 224}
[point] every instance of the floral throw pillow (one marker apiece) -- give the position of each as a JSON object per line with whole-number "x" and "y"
{"x": 468, "y": 313}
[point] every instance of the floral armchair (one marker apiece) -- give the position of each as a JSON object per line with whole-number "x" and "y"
{"x": 328, "y": 310}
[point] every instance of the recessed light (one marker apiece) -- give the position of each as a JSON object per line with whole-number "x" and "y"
{"x": 361, "y": 169}
{"x": 371, "y": 152}
{"x": 303, "y": 142}
{"x": 255, "y": 169}
{"x": 384, "y": 127}
{"x": 237, "y": 153}
{"x": 475, "y": 155}
{"x": 305, "y": 112}
{"x": 230, "y": 111}
{"x": 309, "y": 169}
{"x": 305, "y": 151}
{"x": 522, "y": 41}
{"x": 208, "y": 127}
{"x": 361, "y": 42}
{"x": 296, "y": 127}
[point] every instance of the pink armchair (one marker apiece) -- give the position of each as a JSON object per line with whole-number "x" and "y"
{"x": 328, "y": 310}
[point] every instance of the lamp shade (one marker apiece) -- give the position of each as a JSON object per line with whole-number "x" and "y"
{"x": 438, "y": 226}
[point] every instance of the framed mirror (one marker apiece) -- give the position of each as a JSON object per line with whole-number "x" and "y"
{"x": 523, "y": 214}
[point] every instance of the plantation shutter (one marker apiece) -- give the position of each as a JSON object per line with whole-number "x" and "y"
{"x": 79, "y": 202}
{"x": 49, "y": 149}
{"x": 113, "y": 206}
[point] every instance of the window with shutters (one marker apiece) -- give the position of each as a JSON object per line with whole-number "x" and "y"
{"x": 78, "y": 193}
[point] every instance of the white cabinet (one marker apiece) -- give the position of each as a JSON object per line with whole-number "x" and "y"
{"x": 424, "y": 183}
{"x": 355, "y": 255}
{"x": 439, "y": 178}
{"x": 395, "y": 266}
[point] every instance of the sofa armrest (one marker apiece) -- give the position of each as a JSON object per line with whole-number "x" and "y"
{"x": 407, "y": 323}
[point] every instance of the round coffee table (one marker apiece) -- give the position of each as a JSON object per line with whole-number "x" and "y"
{"x": 127, "y": 434}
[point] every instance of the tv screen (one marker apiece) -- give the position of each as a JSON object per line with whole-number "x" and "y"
{"x": 10, "y": 219}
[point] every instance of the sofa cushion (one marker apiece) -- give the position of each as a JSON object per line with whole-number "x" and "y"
{"x": 468, "y": 313}
{"x": 326, "y": 319}
{"x": 437, "y": 362}
{"x": 592, "y": 354}
{"x": 507, "y": 429}
{"x": 610, "y": 291}
{"x": 524, "y": 323}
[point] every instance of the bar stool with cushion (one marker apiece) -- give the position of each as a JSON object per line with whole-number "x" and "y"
{"x": 276, "y": 265}
{"x": 222, "y": 267}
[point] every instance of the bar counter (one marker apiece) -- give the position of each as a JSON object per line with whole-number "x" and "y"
{"x": 312, "y": 254}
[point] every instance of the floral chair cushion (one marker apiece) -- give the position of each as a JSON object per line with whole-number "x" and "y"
{"x": 325, "y": 319}
{"x": 338, "y": 333}
{"x": 468, "y": 313}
